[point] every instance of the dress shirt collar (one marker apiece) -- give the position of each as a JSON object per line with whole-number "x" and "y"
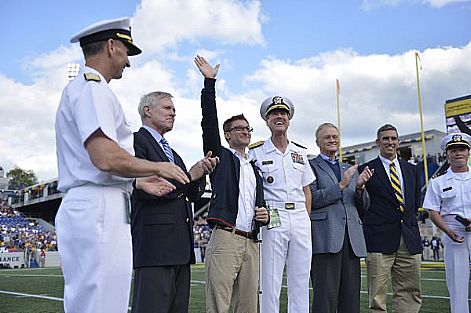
{"x": 461, "y": 176}
{"x": 387, "y": 162}
{"x": 247, "y": 157}
{"x": 270, "y": 147}
{"x": 326, "y": 158}
{"x": 157, "y": 136}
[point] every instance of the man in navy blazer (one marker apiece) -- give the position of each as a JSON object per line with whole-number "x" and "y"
{"x": 162, "y": 227}
{"x": 236, "y": 211}
{"x": 391, "y": 229}
{"x": 338, "y": 200}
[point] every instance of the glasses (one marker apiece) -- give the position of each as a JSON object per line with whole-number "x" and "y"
{"x": 240, "y": 129}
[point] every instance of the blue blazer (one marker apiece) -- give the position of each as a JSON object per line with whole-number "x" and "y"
{"x": 224, "y": 203}
{"x": 384, "y": 223}
{"x": 162, "y": 227}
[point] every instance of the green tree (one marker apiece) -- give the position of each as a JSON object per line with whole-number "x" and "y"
{"x": 20, "y": 178}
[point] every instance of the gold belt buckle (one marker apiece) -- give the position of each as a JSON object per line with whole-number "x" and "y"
{"x": 290, "y": 206}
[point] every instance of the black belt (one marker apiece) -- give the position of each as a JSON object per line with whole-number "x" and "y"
{"x": 239, "y": 232}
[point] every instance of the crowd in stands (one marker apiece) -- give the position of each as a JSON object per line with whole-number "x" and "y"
{"x": 438, "y": 159}
{"x": 19, "y": 234}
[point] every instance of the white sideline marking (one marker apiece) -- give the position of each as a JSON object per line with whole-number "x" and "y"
{"x": 30, "y": 295}
{"x": 199, "y": 282}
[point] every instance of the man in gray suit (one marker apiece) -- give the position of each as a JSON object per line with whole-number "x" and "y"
{"x": 338, "y": 200}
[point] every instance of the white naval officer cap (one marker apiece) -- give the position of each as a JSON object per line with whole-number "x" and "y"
{"x": 118, "y": 28}
{"x": 456, "y": 139}
{"x": 276, "y": 102}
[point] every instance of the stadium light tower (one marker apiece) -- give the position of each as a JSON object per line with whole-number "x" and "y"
{"x": 72, "y": 70}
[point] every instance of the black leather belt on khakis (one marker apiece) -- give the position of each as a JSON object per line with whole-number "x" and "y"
{"x": 239, "y": 232}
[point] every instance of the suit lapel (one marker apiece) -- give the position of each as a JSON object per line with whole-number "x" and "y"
{"x": 406, "y": 182}
{"x": 154, "y": 144}
{"x": 326, "y": 168}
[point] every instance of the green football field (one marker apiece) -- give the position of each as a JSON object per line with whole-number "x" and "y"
{"x": 41, "y": 290}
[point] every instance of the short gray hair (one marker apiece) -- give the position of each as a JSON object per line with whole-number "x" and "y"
{"x": 322, "y": 126}
{"x": 150, "y": 100}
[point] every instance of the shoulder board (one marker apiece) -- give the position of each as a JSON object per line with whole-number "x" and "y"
{"x": 257, "y": 144}
{"x": 92, "y": 77}
{"x": 298, "y": 145}
{"x": 439, "y": 174}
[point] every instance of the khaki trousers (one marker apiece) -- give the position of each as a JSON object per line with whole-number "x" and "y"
{"x": 231, "y": 273}
{"x": 404, "y": 270}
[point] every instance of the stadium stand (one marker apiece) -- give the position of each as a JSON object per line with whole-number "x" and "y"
{"x": 19, "y": 234}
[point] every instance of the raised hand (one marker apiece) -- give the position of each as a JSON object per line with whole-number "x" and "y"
{"x": 205, "y": 68}
{"x": 154, "y": 185}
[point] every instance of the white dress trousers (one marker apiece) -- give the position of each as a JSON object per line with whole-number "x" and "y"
{"x": 95, "y": 248}
{"x": 291, "y": 244}
{"x": 457, "y": 258}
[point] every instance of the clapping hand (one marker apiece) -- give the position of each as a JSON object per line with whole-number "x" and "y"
{"x": 170, "y": 170}
{"x": 203, "y": 166}
{"x": 154, "y": 185}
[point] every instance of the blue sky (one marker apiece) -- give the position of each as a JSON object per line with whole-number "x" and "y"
{"x": 295, "y": 48}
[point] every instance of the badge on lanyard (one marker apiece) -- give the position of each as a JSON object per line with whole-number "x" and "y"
{"x": 275, "y": 220}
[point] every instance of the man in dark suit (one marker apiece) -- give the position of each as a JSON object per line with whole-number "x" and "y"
{"x": 236, "y": 211}
{"x": 162, "y": 227}
{"x": 390, "y": 227}
{"x": 338, "y": 196}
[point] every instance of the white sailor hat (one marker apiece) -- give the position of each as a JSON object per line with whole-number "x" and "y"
{"x": 108, "y": 29}
{"x": 456, "y": 139}
{"x": 276, "y": 102}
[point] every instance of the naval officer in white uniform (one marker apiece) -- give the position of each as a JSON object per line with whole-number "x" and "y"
{"x": 287, "y": 239}
{"x": 449, "y": 195}
{"x": 95, "y": 162}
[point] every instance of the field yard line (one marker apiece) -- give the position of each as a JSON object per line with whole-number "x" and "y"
{"x": 193, "y": 282}
{"x": 52, "y": 275}
{"x": 427, "y": 279}
{"x": 30, "y": 295}
{"x": 363, "y": 291}
{"x": 30, "y": 275}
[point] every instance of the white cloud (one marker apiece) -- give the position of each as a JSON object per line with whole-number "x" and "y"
{"x": 369, "y": 5}
{"x": 375, "y": 89}
{"x": 442, "y": 3}
{"x": 231, "y": 22}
